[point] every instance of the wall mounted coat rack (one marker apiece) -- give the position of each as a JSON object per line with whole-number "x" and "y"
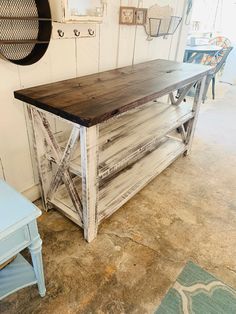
{"x": 25, "y": 30}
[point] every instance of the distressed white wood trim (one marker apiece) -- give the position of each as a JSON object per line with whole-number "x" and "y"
{"x": 49, "y": 137}
{"x": 89, "y": 163}
{"x": 183, "y": 133}
{"x": 38, "y": 155}
{"x": 122, "y": 140}
{"x": 65, "y": 161}
{"x": 118, "y": 190}
{"x": 67, "y": 211}
{"x": 182, "y": 94}
{"x": 196, "y": 108}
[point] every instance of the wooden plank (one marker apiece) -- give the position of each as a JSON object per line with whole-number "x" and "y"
{"x": 49, "y": 138}
{"x": 109, "y": 28}
{"x": 41, "y": 161}
{"x": 196, "y": 109}
{"x": 117, "y": 190}
{"x": 181, "y": 95}
{"x": 129, "y": 136}
{"x": 62, "y": 206}
{"x": 95, "y": 98}
{"x": 127, "y": 38}
{"x": 64, "y": 162}
{"x": 89, "y": 162}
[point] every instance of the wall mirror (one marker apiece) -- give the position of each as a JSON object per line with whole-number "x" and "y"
{"x": 85, "y": 8}
{"x": 71, "y": 11}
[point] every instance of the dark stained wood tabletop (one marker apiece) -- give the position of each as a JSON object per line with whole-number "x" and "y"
{"x": 95, "y": 98}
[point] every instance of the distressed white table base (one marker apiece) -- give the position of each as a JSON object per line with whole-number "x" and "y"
{"x": 102, "y": 167}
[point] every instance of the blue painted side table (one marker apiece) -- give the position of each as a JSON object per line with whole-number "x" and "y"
{"x": 18, "y": 230}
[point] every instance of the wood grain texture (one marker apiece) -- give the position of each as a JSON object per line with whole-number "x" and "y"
{"x": 117, "y": 190}
{"x": 89, "y": 161}
{"x": 127, "y": 138}
{"x": 95, "y": 98}
{"x": 43, "y": 125}
{"x": 196, "y": 109}
{"x": 40, "y": 148}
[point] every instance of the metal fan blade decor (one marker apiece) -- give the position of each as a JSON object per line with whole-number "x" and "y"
{"x": 164, "y": 26}
{"x": 161, "y": 22}
{"x": 25, "y": 30}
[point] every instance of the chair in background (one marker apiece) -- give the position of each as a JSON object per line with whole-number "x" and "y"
{"x": 217, "y": 63}
{"x": 219, "y": 41}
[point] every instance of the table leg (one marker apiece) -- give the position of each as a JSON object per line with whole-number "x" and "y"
{"x": 213, "y": 87}
{"x": 51, "y": 180}
{"x": 89, "y": 164}
{"x": 40, "y": 158}
{"x": 35, "y": 249}
{"x": 36, "y": 255}
{"x": 196, "y": 108}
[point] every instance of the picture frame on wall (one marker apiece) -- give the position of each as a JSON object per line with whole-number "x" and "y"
{"x": 140, "y": 16}
{"x": 127, "y": 15}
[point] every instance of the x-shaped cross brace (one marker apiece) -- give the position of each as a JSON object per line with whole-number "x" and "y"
{"x": 181, "y": 95}
{"x": 62, "y": 160}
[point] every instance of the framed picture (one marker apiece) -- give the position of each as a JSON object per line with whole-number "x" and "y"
{"x": 127, "y": 15}
{"x": 141, "y": 16}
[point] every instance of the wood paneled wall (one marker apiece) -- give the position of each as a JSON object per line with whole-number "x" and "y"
{"x": 114, "y": 46}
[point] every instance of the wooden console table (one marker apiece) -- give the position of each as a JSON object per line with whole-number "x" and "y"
{"x": 121, "y": 136}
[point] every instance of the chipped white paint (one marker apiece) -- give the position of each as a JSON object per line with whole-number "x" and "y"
{"x": 50, "y": 182}
{"x": 196, "y": 108}
{"x": 118, "y": 190}
{"x": 40, "y": 158}
{"x": 63, "y": 164}
{"x": 181, "y": 95}
{"x": 89, "y": 163}
{"x": 123, "y": 140}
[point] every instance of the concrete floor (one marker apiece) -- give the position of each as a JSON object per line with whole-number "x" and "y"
{"x": 187, "y": 213}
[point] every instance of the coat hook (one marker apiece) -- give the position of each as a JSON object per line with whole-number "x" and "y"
{"x": 60, "y": 33}
{"x": 76, "y": 32}
{"x": 91, "y": 31}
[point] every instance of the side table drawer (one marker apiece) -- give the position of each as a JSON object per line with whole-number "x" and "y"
{"x": 14, "y": 242}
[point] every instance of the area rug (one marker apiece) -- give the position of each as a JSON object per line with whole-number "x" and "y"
{"x": 196, "y": 291}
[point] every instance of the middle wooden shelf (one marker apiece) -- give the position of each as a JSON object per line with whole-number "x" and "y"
{"x": 126, "y": 139}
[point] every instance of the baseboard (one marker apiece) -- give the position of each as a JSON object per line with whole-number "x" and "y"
{"x": 33, "y": 193}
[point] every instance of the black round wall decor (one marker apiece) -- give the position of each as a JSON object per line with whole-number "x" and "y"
{"x": 25, "y": 30}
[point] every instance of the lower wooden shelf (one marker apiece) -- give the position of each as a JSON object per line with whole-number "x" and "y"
{"x": 116, "y": 190}
{"x": 17, "y": 275}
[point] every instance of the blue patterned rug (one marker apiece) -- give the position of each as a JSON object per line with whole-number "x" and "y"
{"x": 198, "y": 292}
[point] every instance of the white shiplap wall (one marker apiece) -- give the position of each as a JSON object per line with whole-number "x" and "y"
{"x": 114, "y": 46}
